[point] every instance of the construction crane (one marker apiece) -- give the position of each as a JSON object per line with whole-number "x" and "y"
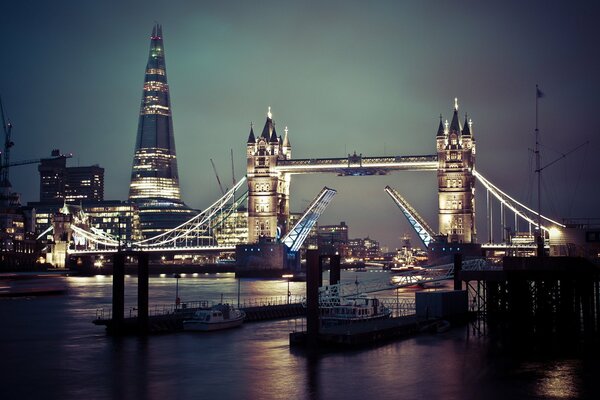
{"x": 5, "y": 163}
{"x": 232, "y": 169}
{"x": 8, "y": 143}
{"x": 217, "y": 175}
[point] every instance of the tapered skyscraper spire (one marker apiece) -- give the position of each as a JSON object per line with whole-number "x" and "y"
{"x": 154, "y": 174}
{"x": 154, "y": 179}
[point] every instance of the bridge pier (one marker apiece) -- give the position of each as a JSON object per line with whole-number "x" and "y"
{"x": 143, "y": 292}
{"x": 118, "y": 292}
{"x": 313, "y": 274}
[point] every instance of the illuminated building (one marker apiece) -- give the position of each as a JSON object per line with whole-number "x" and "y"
{"x": 268, "y": 189}
{"x": 333, "y": 238}
{"x": 234, "y": 229}
{"x": 154, "y": 178}
{"x": 456, "y": 183}
{"x": 73, "y": 184}
{"x": 117, "y": 218}
{"x": 363, "y": 249}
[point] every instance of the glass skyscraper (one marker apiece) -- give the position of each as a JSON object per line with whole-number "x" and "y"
{"x": 154, "y": 179}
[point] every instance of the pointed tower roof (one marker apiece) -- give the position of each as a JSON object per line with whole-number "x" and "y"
{"x": 286, "y": 140}
{"x": 467, "y": 127}
{"x": 455, "y": 124}
{"x": 441, "y": 130}
{"x": 251, "y": 138}
{"x": 268, "y": 128}
{"x": 274, "y": 138}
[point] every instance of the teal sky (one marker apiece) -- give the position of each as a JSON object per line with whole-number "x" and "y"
{"x": 344, "y": 76}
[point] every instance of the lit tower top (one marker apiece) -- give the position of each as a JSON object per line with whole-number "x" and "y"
{"x": 154, "y": 174}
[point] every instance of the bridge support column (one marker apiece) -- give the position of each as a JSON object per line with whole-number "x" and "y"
{"x": 457, "y": 269}
{"x": 142, "y": 293}
{"x": 118, "y": 293}
{"x": 334, "y": 269}
{"x": 313, "y": 273}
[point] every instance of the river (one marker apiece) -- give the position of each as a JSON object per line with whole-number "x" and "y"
{"x": 50, "y": 350}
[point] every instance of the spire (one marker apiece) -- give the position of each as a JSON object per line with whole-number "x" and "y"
{"x": 274, "y": 136}
{"x": 269, "y": 128}
{"x": 155, "y": 176}
{"x": 455, "y": 124}
{"x": 467, "y": 126}
{"x": 286, "y": 140}
{"x": 251, "y": 138}
{"x": 441, "y": 129}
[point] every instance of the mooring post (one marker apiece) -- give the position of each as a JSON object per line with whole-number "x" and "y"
{"x": 312, "y": 297}
{"x": 142, "y": 293}
{"x": 118, "y": 292}
{"x": 334, "y": 269}
{"x": 457, "y": 269}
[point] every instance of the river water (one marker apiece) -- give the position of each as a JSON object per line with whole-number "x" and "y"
{"x": 49, "y": 349}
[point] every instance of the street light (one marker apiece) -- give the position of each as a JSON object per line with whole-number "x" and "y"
{"x": 288, "y": 277}
{"x": 177, "y": 300}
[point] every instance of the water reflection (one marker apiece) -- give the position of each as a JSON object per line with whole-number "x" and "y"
{"x": 52, "y": 342}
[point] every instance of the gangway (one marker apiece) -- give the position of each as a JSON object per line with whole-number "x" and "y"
{"x": 414, "y": 219}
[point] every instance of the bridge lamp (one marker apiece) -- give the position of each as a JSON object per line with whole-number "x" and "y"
{"x": 288, "y": 277}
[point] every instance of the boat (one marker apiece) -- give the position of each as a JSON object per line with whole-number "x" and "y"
{"x": 221, "y": 316}
{"x": 357, "y": 309}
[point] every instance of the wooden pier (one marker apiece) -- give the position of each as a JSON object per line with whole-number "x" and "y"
{"x": 541, "y": 302}
{"x": 170, "y": 320}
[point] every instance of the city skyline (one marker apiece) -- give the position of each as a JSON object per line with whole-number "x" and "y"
{"x": 342, "y": 76}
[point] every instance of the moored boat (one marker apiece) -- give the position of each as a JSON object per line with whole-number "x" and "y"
{"x": 357, "y": 309}
{"x": 221, "y": 316}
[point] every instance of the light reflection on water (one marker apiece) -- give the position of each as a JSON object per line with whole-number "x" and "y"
{"x": 51, "y": 341}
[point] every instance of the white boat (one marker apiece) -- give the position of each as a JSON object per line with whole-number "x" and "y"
{"x": 221, "y": 316}
{"x": 357, "y": 309}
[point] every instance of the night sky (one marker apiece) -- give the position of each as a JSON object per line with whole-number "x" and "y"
{"x": 371, "y": 77}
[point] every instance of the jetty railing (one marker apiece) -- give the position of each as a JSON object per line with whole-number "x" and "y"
{"x": 189, "y": 306}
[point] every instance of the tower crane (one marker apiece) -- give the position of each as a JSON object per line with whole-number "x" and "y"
{"x": 8, "y": 143}
{"x": 5, "y": 163}
{"x": 217, "y": 175}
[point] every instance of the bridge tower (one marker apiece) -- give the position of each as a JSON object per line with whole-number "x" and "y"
{"x": 456, "y": 183}
{"x": 268, "y": 189}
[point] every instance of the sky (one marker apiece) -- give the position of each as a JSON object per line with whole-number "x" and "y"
{"x": 343, "y": 76}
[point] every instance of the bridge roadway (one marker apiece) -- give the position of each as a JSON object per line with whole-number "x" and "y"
{"x": 182, "y": 249}
{"x": 357, "y": 165}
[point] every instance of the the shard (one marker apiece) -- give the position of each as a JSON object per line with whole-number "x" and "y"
{"x": 154, "y": 178}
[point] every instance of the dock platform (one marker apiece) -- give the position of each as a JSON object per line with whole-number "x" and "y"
{"x": 172, "y": 321}
{"x": 369, "y": 332}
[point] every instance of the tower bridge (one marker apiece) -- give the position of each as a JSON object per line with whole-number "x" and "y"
{"x": 269, "y": 169}
{"x": 168, "y": 225}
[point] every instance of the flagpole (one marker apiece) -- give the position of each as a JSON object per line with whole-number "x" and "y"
{"x": 539, "y": 239}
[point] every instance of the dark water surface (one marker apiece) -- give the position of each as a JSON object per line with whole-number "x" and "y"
{"x": 49, "y": 349}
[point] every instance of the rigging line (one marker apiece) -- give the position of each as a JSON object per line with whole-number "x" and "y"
{"x": 578, "y": 180}
{"x": 550, "y": 198}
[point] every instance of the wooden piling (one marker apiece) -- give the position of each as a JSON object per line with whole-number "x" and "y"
{"x": 142, "y": 293}
{"x": 313, "y": 273}
{"x": 118, "y": 292}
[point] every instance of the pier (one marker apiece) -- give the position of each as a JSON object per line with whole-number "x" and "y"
{"x": 169, "y": 319}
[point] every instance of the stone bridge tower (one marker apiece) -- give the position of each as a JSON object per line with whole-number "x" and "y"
{"x": 268, "y": 189}
{"x": 456, "y": 183}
